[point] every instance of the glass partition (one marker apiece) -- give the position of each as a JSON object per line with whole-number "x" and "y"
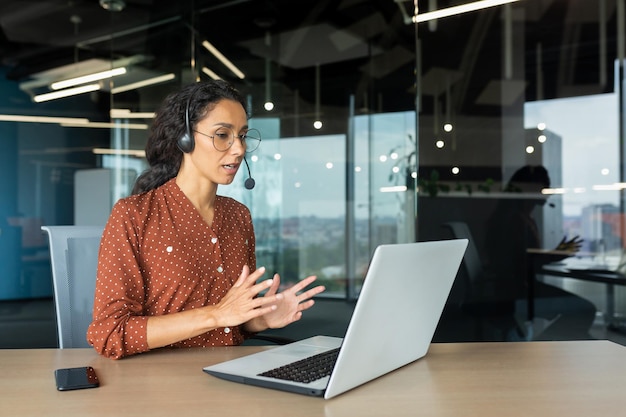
{"x": 330, "y": 87}
{"x": 376, "y": 129}
{"x": 521, "y": 142}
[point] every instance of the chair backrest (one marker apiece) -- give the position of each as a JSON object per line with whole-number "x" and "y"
{"x": 74, "y": 260}
{"x": 471, "y": 260}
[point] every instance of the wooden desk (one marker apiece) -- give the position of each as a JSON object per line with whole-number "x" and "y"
{"x": 578, "y": 378}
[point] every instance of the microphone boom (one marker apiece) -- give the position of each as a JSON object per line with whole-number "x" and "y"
{"x": 249, "y": 183}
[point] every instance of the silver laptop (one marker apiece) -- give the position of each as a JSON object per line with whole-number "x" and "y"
{"x": 394, "y": 320}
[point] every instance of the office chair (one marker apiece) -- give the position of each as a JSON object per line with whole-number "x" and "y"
{"x": 495, "y": 318}
{"x": 74, "y": 259}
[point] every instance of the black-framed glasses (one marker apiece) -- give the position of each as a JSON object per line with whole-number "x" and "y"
{"x": 224, "y": 137}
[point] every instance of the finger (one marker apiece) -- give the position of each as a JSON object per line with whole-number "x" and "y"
{"x": 302, "y": 284}
{"x": 252, "y": 278}
{"x": 260, "y": 311}
{"x": 262, "y": 286}
{"x": 245, "y": 271}
{"x": 306, "y": 305}
{"x": 267, "y": 301}
{"x": 275, "y": 284}
{"x": 311, "y": 293}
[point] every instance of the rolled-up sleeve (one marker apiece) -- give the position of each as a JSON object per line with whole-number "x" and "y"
{"x": 119, "y": 326}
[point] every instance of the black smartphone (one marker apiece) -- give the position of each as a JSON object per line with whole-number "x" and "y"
{"x": 76, "y": 378}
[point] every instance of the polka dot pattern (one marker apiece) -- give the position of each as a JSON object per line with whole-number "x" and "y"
{"x": 158, "y": 256}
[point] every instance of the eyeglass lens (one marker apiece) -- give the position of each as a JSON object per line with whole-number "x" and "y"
{"x": 224, "y": 138}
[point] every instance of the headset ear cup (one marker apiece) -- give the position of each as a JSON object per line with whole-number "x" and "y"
{"x": 185, "y": 143}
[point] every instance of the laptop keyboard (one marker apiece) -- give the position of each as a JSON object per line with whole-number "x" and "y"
{"x": 306, "y": 370}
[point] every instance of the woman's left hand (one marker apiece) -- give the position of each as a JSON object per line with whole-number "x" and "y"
{"x": 293, "y": 302}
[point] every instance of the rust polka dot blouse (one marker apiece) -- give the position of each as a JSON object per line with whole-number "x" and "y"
{"x": 158, "y": 256}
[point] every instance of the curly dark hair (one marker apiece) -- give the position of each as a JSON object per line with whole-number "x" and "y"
{"x": 162, "y": 151}
{"x": 529, "y": 174}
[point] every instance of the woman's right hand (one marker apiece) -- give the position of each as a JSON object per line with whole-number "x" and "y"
{"x": 242, "y": 302}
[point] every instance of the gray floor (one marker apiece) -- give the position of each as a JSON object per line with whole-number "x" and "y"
{"x": 31, "y": 324}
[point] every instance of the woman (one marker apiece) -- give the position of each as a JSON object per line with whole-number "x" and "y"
{"x": 177, "y": 262}
{"x": 511, "y": 232}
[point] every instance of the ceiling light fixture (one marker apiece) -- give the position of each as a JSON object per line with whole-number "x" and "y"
{"x": 127, "y": 114}
{"x": 317, "y": 124}
{"x": 107, "y": 125}
{"x": 113, "y": 5}
{"x": 464, "y": 8}
{"x": 269, "y": 104}
{"x": 210, "y": 73}
{"x": 88, "y": 78}
{"x": 66, "y": 93}
{"x": 125, "y": 152}
{"x": 79, "y": 69}
{"x": 41, "y": 119}
{"x": 212, "y": 49}
{"x": 143, "y": 83}
{"x": 393, "y": 189}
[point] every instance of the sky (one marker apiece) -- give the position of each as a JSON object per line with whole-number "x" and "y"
{"x": 589, "y": 131}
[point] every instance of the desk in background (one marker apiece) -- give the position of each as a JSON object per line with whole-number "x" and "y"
{"x": 578, "y": 378}
{"x": 562, "y": 264}
{"x": 605, "y": 277}
{"x": 575, "y": 268}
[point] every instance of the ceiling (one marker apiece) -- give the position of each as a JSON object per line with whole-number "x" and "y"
{"x": 39, "y": 35}
{"x": 363, "y": 47}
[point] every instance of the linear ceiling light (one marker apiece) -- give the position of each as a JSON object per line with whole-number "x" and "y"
{"x": 66, "y": 93}
{"x": 393, "y": 189}
{"x": 212, "y": 49}
{"x": 464, "y": 8}
{"x": 41, "y": 119}
{"x": 143, "y": 83}
{"x": 108, "y": 125}
{"x": 210, "y": 73}
{"x": 126, "y": 152}
{"x": 88, "y": 78}
{"x": 127, "y": 114}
